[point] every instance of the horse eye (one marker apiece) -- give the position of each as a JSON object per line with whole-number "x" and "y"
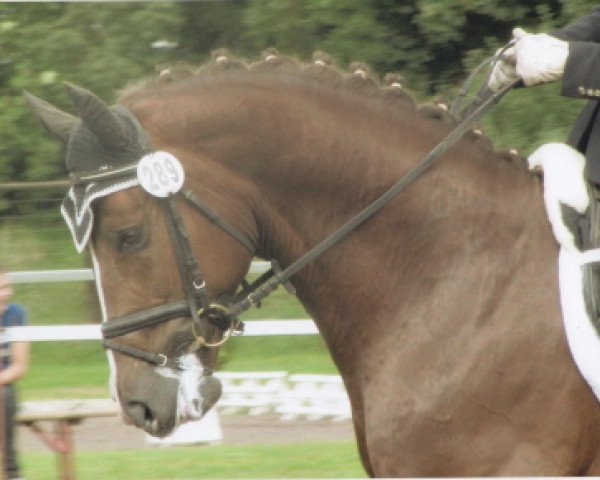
{"x": 131, "y": 239}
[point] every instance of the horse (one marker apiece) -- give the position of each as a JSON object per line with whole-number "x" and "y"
{"x": 441, "y": 312}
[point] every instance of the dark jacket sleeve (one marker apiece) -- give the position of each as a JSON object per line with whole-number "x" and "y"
{"x": 581, "y": 78}
{"x": 585, "y": 29}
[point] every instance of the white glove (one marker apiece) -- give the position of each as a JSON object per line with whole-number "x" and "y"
{"x": 504, "y": 71}
{"x": 540, "y": 57}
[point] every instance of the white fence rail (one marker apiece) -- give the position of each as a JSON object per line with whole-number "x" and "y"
{"x": 53, "y": 333}
{"x": 83, "y": 274}
{"x": 92, "y": 331}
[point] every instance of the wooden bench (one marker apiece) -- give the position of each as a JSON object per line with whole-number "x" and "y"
{"x": 62, "y": 414}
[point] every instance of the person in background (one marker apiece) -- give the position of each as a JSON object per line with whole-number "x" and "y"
{"x": 570, "y": 54}
{"x": 14, "y": 360}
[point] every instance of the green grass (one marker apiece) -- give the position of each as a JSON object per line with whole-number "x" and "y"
{"x": 306, "y": 460}
{"x": 38, "y": 243}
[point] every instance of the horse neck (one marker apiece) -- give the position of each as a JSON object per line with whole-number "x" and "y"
{"x": 313, "y": 160}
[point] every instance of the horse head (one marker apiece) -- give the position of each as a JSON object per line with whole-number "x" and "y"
{"x": 163, "y": 319}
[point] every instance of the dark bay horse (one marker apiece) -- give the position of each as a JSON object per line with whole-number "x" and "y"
{"x": 441, "y": 312}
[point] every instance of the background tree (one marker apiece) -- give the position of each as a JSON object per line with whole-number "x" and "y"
{"x": 104, "y": 46}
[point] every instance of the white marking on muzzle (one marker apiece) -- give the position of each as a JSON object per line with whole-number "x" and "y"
{"x": 189, "y": 398}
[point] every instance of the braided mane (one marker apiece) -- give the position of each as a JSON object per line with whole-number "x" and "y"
{"x": 322, "y": 69}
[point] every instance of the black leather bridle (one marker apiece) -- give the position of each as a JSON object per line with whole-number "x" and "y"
{"x": 196, "y": 304}
{"x": 224, "y": 314}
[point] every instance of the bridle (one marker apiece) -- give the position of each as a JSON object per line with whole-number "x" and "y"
{"x": 224, "y": 312}
{"x": 197, "y": 303}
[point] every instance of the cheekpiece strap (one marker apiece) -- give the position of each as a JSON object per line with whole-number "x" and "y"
{"x": 192, "y": 280}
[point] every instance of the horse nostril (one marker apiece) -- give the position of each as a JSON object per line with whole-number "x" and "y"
{"x": 142, "y": 416}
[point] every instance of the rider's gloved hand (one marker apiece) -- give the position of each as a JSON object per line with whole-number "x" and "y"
{"x": 540, "y": 57}
{"x": 504, "y": 71}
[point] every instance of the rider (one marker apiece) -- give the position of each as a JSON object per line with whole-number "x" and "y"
{"x": 572, "y": 54}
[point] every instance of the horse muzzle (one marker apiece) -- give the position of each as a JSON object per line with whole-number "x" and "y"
{"x": 198, "y": 390}
{"x": 156, "y": 417}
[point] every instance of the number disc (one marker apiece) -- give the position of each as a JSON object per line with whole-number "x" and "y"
{"x": 160, "y": 174}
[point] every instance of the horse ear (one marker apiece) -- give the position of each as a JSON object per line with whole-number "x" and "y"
{"x": 96, "y": 116}
{"x": 58, "y": 123}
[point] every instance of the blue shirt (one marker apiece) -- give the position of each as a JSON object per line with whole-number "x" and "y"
{"x": 13, "y": 316}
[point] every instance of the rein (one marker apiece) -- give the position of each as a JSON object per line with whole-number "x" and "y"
{"x": 224, "y": 312}
{"x": 282, "y": 278}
